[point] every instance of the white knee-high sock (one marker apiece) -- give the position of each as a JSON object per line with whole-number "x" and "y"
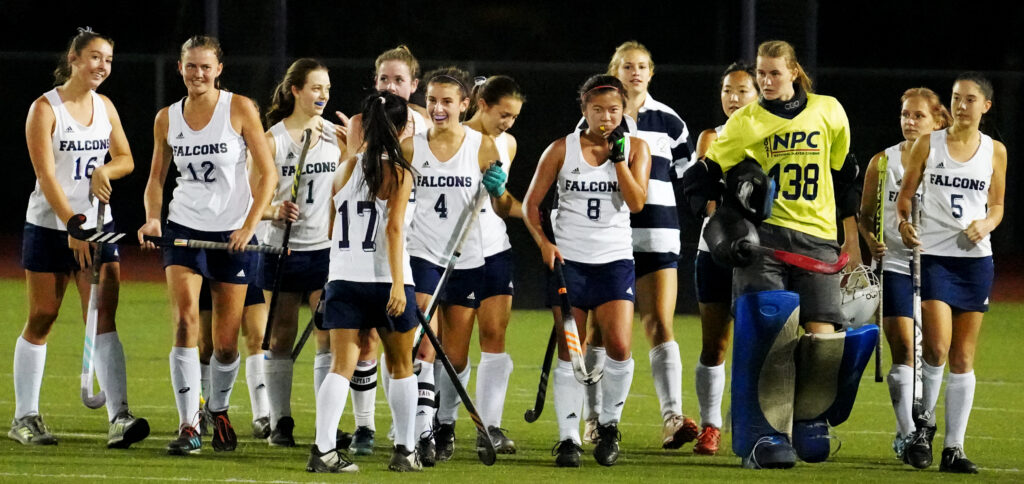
{"x": 254, "y": 379}
{"x": 277, "y": 373}
{"x": 425, "y": 400}
{"x": 594, "y": 358}
{"x": 901, "y": 391}
{"x": 110, "y": 371}
{"x": 29, "y": 362}
{"x": 710, "y": 387}
{"x": 959, "y": 400}
{"x": 330, "y": 404}
{"x": 618, "y": 376}
{"x": 931, "y": 383}
{"x": 364, "y": 393}
{"x": 667, "y": 370}
{"x": 568, "y": 402}
{"x": 204, "y": 380}
{"x": 222, "y": 380}
{"x": 185, "y": 383}
{"x": 384, "y": 375}
{"x": 448, "y": 405}
{"x": 402, "y": 400}
{"x": 321, "y": 366}
{"x": 491, "y": 385}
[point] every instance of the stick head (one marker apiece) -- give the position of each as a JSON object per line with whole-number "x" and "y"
{"x": 93, "y": 401}
{"x": 75, "y": 229}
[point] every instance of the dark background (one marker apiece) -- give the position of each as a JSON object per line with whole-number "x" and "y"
{"x": 863, "y": 53}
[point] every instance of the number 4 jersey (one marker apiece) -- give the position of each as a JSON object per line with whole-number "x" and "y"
{"x": 213, "y": 187}
{"x": 77, "y": 151}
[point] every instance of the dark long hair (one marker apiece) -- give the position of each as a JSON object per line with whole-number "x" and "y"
{"x": 85, "y": 35}
{"x": 384, "y": 118}
{"x": 283, "y": 102}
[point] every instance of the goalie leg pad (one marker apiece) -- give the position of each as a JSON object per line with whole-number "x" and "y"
{"x": 764, "y": 373}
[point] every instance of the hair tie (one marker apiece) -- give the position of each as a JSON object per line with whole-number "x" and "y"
{"x": 85, "y": 30}
{"x": 454, "y": 81}
{"x": 382, "y": 100}
{"x": 479, "y": 80}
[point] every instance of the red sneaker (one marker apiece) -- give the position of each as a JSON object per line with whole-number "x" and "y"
{"x": 707, "y": 441}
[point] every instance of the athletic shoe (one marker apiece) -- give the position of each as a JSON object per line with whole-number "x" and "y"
{"x": 224, "y": 438}
{"x": 606, "y": 451}
{"x": 362, "y": 442}
{"x": 188, "y": 442}
{"x": 567, "y": 453}
{"x": 590, "y": 431}
{"x": 900, "y": 443}
{"x": 502, "y": 444}
{"x": 282, "y": 435}
{"x": 811, "y": 440}
{"x": 425, "y": 450}
{"x": 342, "y": 439}
{"x": 444, "y": 439}
{"x": 678, "y": 430}
{"x": 954, "y": 460}
{"x": 404, "y": 460}
{"x": 126, "y": 430}
{"x": 261, "y": 428}
{"x": 30, "y": 430}
{"x": 708, "y": 441}
{"x": 771, "y": 452}
{"x": 332, "y": 461}
{"x": 919, "y": 452}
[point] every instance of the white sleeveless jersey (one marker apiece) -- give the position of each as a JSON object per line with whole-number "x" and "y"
{"x": 897, "y": 256}
{"x": 443, "y": 192}
{"x": 955, "y": 194}
{"x": 309, "y": 232}
{"x": 420, "y": 126}
{"x": 359, "y": 242}
{"x": 77, "y": 151}
{"x": 592, "y": 222}
{"x": 213, "y": 192}
{"x": 495, "y": 235}
{"x": 701, "y": 245}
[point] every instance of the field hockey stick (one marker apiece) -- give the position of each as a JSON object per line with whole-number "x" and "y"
{"x": 798, "y": 260}
{"x": 572, "y": 335}
{"x": 883, "y": 170}
{"x": 915, "y": 217}
{"x": 307, "y": 135}
{"x": 533, "y": 414}
{"x": 91, "y": 321}
{"x": 486, "y": 454}
{"x": 309, "y": 329}
{"x": 92, "y": 235}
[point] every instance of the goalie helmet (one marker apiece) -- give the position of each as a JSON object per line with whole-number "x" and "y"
{"x": 860, "y": 296}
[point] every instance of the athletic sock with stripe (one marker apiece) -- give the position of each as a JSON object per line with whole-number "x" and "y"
{"x": 364, "y": 393}
{"x": 425, "y": 400}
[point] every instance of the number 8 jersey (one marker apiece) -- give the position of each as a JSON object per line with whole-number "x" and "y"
{"x": 213, "y": 187}
{"x": 592, "y": 220}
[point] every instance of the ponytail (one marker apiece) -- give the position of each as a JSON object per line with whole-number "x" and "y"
{"x": 384, "y": 118}
{"x": 781, "y": 48}
{"x": 79, "y": 42}
{"x": 492, "y": 90}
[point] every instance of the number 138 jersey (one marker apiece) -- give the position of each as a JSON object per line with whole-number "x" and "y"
{"x": 213, "y": 187}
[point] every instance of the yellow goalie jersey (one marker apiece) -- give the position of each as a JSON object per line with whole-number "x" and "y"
{"x": 799, "y": 153}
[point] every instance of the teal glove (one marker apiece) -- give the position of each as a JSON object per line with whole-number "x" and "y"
{"x": 494, "y": 180}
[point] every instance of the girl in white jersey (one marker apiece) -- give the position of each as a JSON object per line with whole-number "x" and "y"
{"x": 448, "y": 160}
{"x": 298, "y": 104}
{"x": 963, "y": 174}
{"x": 713, "y": 282}
{"x": 370, "y": 284}
{"x": 70, "y": 130}
{"x": 921, "y": 113}
{"x": 206, "y": 135}
{"x": 602, "y": 178}
{"x": 396, "y": 71}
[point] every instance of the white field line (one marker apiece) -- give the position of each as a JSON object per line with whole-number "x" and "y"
{"x": 144, "y": 478}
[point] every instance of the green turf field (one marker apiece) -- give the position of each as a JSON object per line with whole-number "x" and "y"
{"x": 995, "y": 440}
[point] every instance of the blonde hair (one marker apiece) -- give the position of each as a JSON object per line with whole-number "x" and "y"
{"x": 939, "y": 112}
{"x": 620, "y": 53}
{"x": 401, "y": 54}
{"x": 781, "y": 48}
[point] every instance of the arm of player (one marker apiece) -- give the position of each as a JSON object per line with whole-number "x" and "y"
{"x": 908, "y": 189}
{"x": 262, "y": 164}
{"x": 851, "y": 243}
{"x": 354, "y": 141}
{"x": 153, "y": 199}
{"x": 980, "y": 228}
{"x": 547, "y": 171}
{"x": 397, "y": 203}
{"x": 121, "y": 162}
{"x": 493, "y": 179}
{"x": 868, "y": 209}
{"x": 704, "y": 141}
{"x": 633, "y": 178}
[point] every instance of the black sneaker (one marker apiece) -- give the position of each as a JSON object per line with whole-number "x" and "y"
{"x": 444, "y": 438}
{"x": 282, "y": 436}
{"x": 771, "y": 452}
{"x": 606, "y": 452}
{"x": 331, "y": 461}
{"x": 502, "y": 444}
{"x": 954, "y": 460}
{"x": 126, "y": 430}
{"x": 425, "y": 450}
{"x": 261, "y": 428}
{"x": 567, "y": 453}
{"x": 918, "y": 452}
{"x": 404, "y": 460}
{"x": 188, "y": 442}
{"x": 342, "y": 439}
{"x": 30, "y": 430}
{"x": 362, "y": 441}
{"x": 224, "y": 438}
